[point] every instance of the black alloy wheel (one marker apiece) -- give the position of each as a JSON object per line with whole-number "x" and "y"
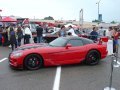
{"x": 33, "y": 62}
{"x": 93, "y": 58}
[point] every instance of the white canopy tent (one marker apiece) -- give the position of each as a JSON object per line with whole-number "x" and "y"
{"x": 67, "y": 25}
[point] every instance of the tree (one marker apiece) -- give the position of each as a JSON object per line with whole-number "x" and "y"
{"x": 49, "y": 18}
{"x": 95, "y": 21}
{"x": 113, "y": 22}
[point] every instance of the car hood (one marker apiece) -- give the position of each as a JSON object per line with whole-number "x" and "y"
{"x": 29, "y": 46}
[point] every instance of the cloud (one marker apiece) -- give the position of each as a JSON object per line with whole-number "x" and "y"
{"x": 66, "y": 9}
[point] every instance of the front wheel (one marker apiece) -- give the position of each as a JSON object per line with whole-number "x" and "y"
{"x": 93, "y": 58}
{"x": 33, "y": 62}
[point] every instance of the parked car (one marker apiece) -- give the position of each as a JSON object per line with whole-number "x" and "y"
{"x": 61, "y": 51}
{"x": 52, "y": 36}
{"x": 81, "y": 34}
{"x": 47, "y": 37}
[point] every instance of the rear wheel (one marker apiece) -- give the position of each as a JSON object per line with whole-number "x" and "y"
{"x": 93, "y": 57}
{"x": 33, "y": 62}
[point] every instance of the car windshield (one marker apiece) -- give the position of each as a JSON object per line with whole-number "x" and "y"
{"x": 59, "y": 42}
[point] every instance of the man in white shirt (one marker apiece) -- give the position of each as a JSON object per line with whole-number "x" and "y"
{"x": 101, "y": 32}
{"x": 71, "y": 30}
{"x": 109, "y": 33}
{"x": 27, "y": 35}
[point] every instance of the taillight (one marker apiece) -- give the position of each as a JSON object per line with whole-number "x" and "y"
{"x": 100, "y": 41}
{"x": 103, "y": 40}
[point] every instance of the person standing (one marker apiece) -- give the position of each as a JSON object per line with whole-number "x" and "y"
{"x": 62, "y": 32}
{"x": 101, "y": 32}
{"x": 13, "y": 40}
{"x": 27, "y": 35}
{"x": 109, "y": 34}
{"x": 8, "y": 34}
{"x": 72, "y": 31}
{"x": 115, "y": 40}
{"x": 110, "y": 46}
{"x": 39, "y": 30}
{"x": 20, "y": 35}
{"x": 0, "y": 36}
{"x": 94, "y": 34}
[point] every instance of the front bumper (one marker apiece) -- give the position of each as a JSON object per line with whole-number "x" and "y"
{"x": 15, "y": 62}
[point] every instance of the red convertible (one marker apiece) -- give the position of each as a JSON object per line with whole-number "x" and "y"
{"x": 61, "y": 51}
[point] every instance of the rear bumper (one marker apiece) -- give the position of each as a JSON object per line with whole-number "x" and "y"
{"x": 104, "y": 55}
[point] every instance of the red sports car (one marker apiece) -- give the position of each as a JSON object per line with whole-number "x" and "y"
{"x": 61, "y": 51}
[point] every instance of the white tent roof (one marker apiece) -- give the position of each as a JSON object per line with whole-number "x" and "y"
{"x": 67, "y": 25}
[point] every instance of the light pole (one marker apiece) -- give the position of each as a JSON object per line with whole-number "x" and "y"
{"x": 81, "y": 18}
{"x": 0, "y": 14}
{"x": 98, "y": 8}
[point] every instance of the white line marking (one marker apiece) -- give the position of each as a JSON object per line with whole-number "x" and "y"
{"x": 57, "y": 79}
{"x": 117, "y": 64}
{"x": 3, "y": 59}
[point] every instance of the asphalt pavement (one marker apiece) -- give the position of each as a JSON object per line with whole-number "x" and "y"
{"x": 72, "y": 77}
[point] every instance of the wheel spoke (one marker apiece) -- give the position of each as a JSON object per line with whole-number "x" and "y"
{"x": 93, "y": 58}
{"x": 33, "y": 62}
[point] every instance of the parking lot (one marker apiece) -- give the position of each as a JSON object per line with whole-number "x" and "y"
{"x": 71, "y": 77}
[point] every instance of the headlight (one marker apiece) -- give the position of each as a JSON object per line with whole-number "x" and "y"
{"x": 17, "y": 54}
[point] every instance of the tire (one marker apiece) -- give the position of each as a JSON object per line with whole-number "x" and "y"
{"x": 33, "y": 62}
{"x": 93, "y": 58}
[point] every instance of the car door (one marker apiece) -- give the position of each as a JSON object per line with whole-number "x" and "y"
{"x": 70, "y": 55}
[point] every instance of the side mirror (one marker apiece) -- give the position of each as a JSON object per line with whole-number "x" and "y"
{"x": 68, "y": 45}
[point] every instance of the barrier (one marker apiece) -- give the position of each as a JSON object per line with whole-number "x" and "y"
{"x": 110, "y": 47}
{"x": 109, "y": 44}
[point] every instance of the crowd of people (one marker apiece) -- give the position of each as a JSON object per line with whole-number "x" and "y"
{"x": 13, "y": 34}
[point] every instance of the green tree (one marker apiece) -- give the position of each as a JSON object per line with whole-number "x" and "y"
{"x": 113, "y": 22}
{"x": 49, "y": 18}
{"x": 95, "y": 20}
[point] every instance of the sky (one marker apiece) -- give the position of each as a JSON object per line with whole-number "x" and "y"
{"x": 62, "y": 9}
